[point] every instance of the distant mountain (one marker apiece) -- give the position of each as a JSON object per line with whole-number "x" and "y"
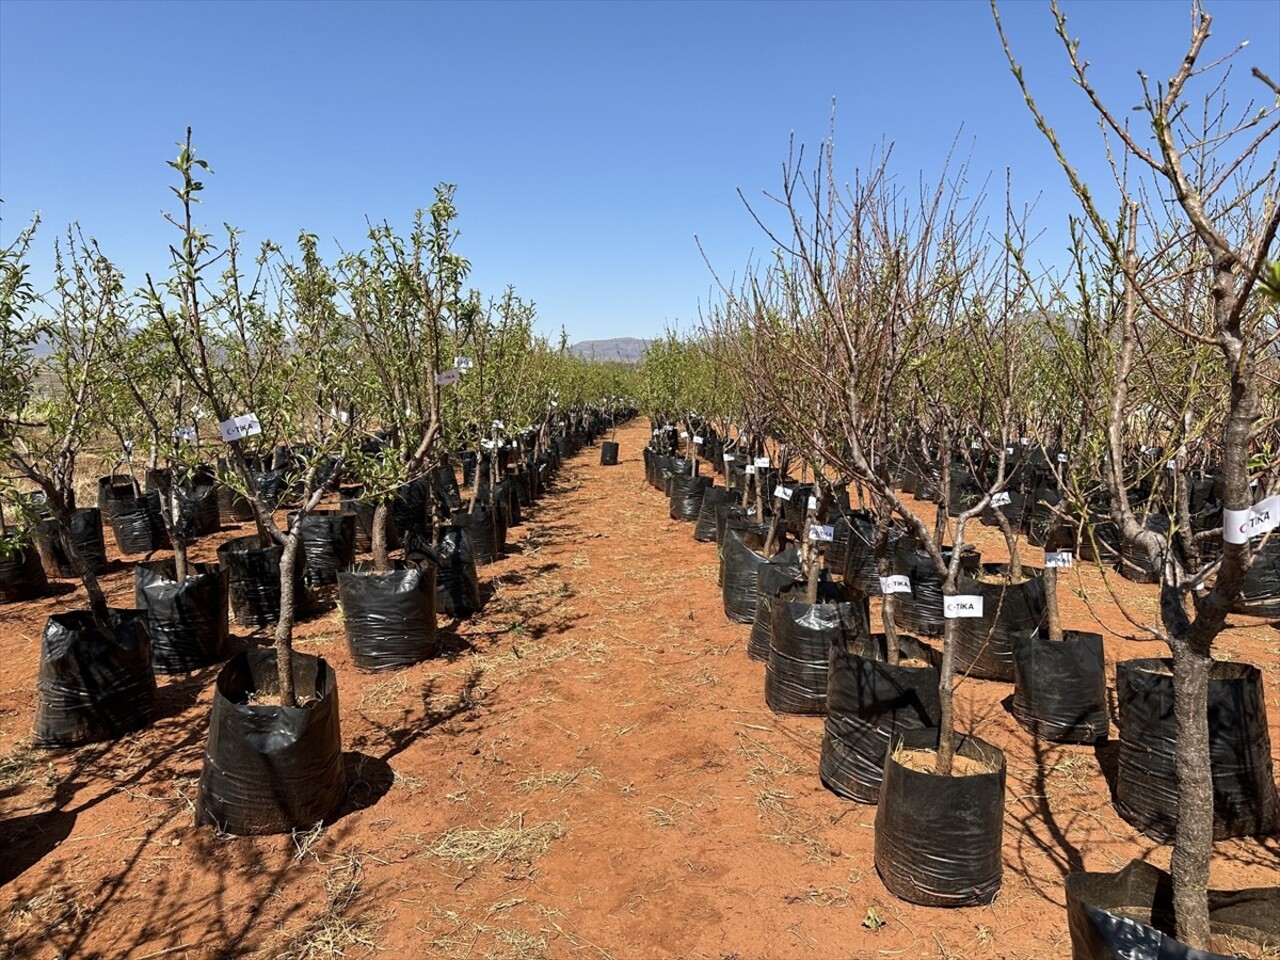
{"x": 626, "y": 349}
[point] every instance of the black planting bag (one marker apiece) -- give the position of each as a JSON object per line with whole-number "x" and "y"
{"x": 187, "y": 621}
{"x": 801, "y": 638}
{"x": 1260, "y": 592}
{"x": 712, "y": 497}
{"x": 268, "y": 768}
{"x": 1244, "y": 788}
{"x": 1060, "y": 686}
{"x": 938, "y": 838}
{"x": 772, "y": 578}
{"x": 86, "y": 535}
{"x": 389, "y": 617}
{"x": 739, "y": 565}
{"x": 608, "y": 454}
{"x": 1128, "y": 915}
{"x": 253, "y": 580}
{"x": 1010, "y": 612}
{"x": 93, "y": 684}
{"x": 920, "y": 611}
{"x": 483, "y": 527}
{"x": 457, "y": 583}
{"x": 21, "y": 575}
{"x": 686, "y": 497}
{"x": 869, "y": 701}
{"x": 329, "y": 542}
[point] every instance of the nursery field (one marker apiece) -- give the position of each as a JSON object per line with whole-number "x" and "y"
{"x": 587, "y": 770}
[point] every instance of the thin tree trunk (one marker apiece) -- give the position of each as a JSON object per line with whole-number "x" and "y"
{"x": 946, "y": 692}
{"x": 288, "y": 607}
{"x": 1011, "y": 542}
{"x": 1193, "y": 837}
{"x": 1051, "y": 603}
{"x": 378, "y": 545}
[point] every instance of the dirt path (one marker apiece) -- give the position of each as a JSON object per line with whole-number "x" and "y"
{"x": 589, "y": 772}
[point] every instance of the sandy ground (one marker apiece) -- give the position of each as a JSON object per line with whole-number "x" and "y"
{"x": 588, "y": 771}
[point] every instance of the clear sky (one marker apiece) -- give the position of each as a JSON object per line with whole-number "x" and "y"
{"x": 590, "y": 141}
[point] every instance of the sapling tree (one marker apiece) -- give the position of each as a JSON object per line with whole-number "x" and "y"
{"x": 1197, "y": 193}
{"x": 52, "y": 407}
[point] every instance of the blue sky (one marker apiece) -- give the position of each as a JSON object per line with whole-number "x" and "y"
{"x": 590, "y": 142}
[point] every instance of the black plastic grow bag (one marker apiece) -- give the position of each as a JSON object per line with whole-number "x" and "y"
{"x": 138, "y": 524}
{"x": 1260, "y": 591}
{"x": 686, "y": 497}
{"x": 705, "y": 529}
{"x": 868, "y": 702}
{"x": 187, "y": 621}
{"x": 253, "y": 579}
{"x": 1010, "y": 612}
{"x": 608, "y": 454}
{"x": 938, "y": 838}
{"x": 457, "y": 583}
{"x": 772, "y": 578}
{"x": 86, "y": 535}
{"x": 1060, "y": 686}
{"x": 389, "y": 617}
{"x": 1129, "y": 915}
{"x": 363, "y": 511}
{"x": 268, "y": 768}
{"x": 801, "y": 639}
{"x": 739, "y": 566}
{"x": 920, "y": 611}
{"x": 93, "y": 685}
{"x": 1244, "y": 789}
{"x": 22, "y": 576}
{"x": 1135, "y": 563}
{"x": 329, "y": 542}
{"x": 483, "y": 527}
{"x": 860, "y": 570}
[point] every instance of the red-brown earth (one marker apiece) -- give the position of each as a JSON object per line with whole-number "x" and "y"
{"x": 588, "y": 771}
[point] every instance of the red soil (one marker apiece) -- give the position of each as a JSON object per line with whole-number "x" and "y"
{"x": 602, "y": 731}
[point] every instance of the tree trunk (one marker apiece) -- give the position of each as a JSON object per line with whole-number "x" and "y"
{"x": 97, "y": 599}
{"x": 288, "y": 606}
{"x": 1051, "y": 602}
{"x": 381, "y": 517}
{"x": 1011, "y": 542}
{"x": 884, "y": 568}
{"x": 946, "y": 692}
{"x": 1193, "y": 838}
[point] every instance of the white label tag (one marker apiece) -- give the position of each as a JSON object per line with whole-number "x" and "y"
{"x": 239, "y": 427}
{"x": 697, "y": 440}
{"x": 813, "y": 503}
{"x": 957, "y": 608}
{"x": 448, "y": 378}
{"x": 1062, "y": 458}
{"x": 1058, "y": 558}
{"x": 499, "y": 425}
{"x": 898, "y": 583}
{"x": 1008, "y": 451}
{"x": 184, "y": 433}
{"x": 684, "y": 434}
{"x": 762, "y": 461}
{"x": 1025, "y": 441}
{"x": 751, "y": 468}
{"x": 1171, "y": 465}
{"x": 128, "y": 447}
{"x": 1001, "y": 499}
{"x": 975, "y": 445}
{"x": 822, "y": 533}
{"x": 487, "y": 443}
{"x": 462, "y": 364}
{"x": 728, "y": 458}
{"x": 1240, "y": 526}
{"x": 782, "y": 493}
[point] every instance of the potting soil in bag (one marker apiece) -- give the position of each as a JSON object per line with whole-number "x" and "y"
{"x": 705, "y": 529}
{"x": 1010, "y": 612}
{"x": 803, "y": 633}
{"x": 94, "y": 684}
{"x": 21, "y": 575}
{"x": 389, "y": 617}
{"x": 1244, "y": 791}
{"x": 772, "y": 578}
{"x": 869, "y": 701}
{"x": 938, "y": 839}
{"x": 267, "y": 768}
{"x": 1060, "y": 686}
{"x": 1128, "y": 915}
{"x": 187, "y": 621}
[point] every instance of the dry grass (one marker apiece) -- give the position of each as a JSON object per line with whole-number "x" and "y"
{"x": 512, "y": 842}
{"x": 40, "y": 919}
{"x": 384, "y": 696}
{"x": 557, "y": 778}
{"x": 21, "y": 767}
{"x": 343, "y": 928}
